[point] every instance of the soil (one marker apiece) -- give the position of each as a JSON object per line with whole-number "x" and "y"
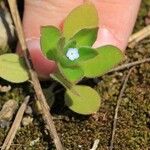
{"x": 79, "y": 132}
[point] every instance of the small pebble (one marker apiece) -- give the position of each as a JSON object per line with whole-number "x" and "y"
{"x": 32, "y": 143}
{"x": 27, "y": 120}
{"x": 29, "y": 110}
{"x": 80, "y": 146}
{"x": 120, "y": 74}
{"x": 5, "y": 89}
{"x": 7, "y": 112}
{"x": 37, "y": 107}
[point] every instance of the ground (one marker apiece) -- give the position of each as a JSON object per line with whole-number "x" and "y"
{"x": 79, "y": 132}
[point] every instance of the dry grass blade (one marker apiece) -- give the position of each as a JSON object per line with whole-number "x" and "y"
{"x": 138, "y": 36}
{"x": 124, "y": 66}
{"x": 117, "y": 108}
{"x": 36, "y": 85}
{"x": 12, "y": 132}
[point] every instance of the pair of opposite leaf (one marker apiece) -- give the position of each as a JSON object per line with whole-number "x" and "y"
{"x": 72, "y": 49}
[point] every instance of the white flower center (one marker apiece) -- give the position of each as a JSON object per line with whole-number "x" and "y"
{"x": 72, "y": 53}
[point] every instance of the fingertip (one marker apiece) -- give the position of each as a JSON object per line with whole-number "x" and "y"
{"x": 106, "y": 37}
{"x": 41, "y": 64}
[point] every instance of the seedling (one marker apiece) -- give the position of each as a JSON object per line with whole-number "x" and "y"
{"x": 71, "y": 49}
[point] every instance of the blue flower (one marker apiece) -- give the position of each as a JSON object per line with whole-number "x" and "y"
{"x": 72, "y": 54}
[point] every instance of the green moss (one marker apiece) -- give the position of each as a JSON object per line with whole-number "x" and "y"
{"x": 30, "y": 133}
{"x": 142, "y": 14}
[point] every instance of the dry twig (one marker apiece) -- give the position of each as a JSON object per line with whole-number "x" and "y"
{"x": 38, "y": 90}
{"x": 138, "y": 36}
{"x": 12, "y": 132}
{"x": 133, "y": 40}
{"x": 117, "y": 108}
{"x": 124, "y": 66}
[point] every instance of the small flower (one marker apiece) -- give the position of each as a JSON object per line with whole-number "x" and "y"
{"x": 72, "y": 53}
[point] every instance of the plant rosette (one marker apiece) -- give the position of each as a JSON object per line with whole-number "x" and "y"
{"x": 71, "y": 48}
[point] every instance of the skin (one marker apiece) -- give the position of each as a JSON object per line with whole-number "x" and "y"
{"x": 117, "y": 19}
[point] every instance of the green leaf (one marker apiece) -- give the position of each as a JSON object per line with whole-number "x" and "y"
{"x": 13, "y": 69}
{"x": 109, "y": 56}
{"x": 61, "y": 44}
{"x": 66, "y": 62}
{"x": 86, "y": 53}
{"x": 86, "y": 102}
{"x": 60, "y": 50}
{"x": 69, "y": 44}
{"x": 72, "y": 74}
{"x": 83, "y": 16}
{"x": 50, "y": 36}
{"x": 86, "y": 37}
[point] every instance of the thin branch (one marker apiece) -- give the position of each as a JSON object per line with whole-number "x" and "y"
{"x": 117, "y": 108}
{"x": 124, "y": 66}
{"x": 36, "y": 84}
{"x": 13, "y": 130}
{"x": 138, "y": 36}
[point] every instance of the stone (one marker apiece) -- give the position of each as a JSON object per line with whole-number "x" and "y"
{"x": 7, "y": 112}
{"x": 27, "y": 120}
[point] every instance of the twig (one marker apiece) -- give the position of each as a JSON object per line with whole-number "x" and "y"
{"x": 12, "y": 132}
{"x": 135, "y": 38}
{"x": 36, "y": 84}
{"x": 124, "y": 66}
{"x": 138, "y": 36}
{"x": 117, "y": 108}
{"x": 95, "y": 145}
